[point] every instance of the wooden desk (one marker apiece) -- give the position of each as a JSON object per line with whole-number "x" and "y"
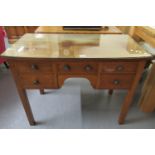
{"x": 59, "y": 29}
{"x": 45, "y": 61}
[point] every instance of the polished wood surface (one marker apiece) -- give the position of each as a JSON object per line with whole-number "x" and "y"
{"x": 59, "y": 29}
{"x": 108, "y": 62}
{"x": 79, "y": 46}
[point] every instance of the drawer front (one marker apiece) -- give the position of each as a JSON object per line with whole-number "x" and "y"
{"x": 119, "y": 67}
{"x": 116, "y": 81}
{"x": 77, "y": 68}
{"x": 34, "y": 67}
{"x": 36, "y": 81}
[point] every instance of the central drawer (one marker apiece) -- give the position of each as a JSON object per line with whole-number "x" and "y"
{"x": 77, "y": 68}
{"x": 38, "y": 81}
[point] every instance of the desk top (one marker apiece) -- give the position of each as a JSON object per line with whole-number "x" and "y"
{"x": 76, "y": 46}
{"x": 59, "y": 29}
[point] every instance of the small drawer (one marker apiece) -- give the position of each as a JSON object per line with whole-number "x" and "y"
{"x": 42, "y": 81}
{"x": 119, "y": 67}
{"x": 34, "y": 67}
{"x": 77, "y": 68}
{"x": 116, "y": 81}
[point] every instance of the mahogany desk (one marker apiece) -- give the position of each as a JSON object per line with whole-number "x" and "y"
{"x": 59, "y": 29}
{"x": 45, "y": 61}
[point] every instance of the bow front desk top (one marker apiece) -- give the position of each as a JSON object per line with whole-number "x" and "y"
{"x": 45, "y": 61}
{"x": 76, "y": 46}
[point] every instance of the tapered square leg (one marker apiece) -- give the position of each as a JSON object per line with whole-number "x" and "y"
{"x": 26, "y": 105}
{"x": 42, "y": 91}
{"x": 110, "y": 92}
{"x": 128, "y": 99}
{"x": 6, "y": 65}
{"x": 125, "y": 107}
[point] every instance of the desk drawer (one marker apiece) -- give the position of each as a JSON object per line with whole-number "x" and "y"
{"x": 119, "y": 67}
{"x": 34, "y": 67}
{"x": 116, "y": 81}
{"x": 36, "y": 81}
{"x": 77, "y": 68}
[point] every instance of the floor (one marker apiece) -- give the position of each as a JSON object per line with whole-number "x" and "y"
{"x": 75, "y": 106}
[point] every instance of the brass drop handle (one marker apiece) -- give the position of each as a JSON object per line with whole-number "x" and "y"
{"x": 67, "y": 68}
{"x": 120, "y": 68}
{"x": 34, "y": 67}
{"x": 88, "y": 68}
{"x": 116, "y": 82}
{"x": 36, "y": 82}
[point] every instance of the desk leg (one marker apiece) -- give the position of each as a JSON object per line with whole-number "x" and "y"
{"x": 130, "y": 94}
{"x": 6, "y": 65}
{"x": 26, "y": 105}
{"x": 42, "y": 91}
{"x": 110, "y": 91}
{"x": 125, "y": 106}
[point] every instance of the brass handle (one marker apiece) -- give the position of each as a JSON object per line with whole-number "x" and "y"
{"x": 116, "y": 82}
{"x": 36, "y": 82}
{"x": 88, "y": 68}
{"x": 34, "y": 67}
{"x": 67, "y": 68}
{"x": 120, "y": 68}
